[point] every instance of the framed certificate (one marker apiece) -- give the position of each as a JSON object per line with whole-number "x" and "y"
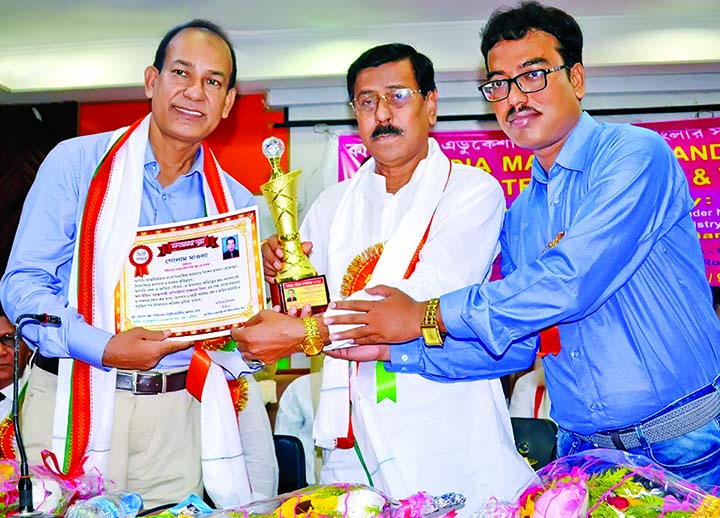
{"x": 197, "y": 279}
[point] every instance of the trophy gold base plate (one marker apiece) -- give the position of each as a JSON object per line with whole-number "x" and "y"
{"x": 311, "y": 290}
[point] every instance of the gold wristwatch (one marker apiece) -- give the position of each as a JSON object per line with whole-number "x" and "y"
{"x": 313, "y": 343}
{"x": 430, "y": 329}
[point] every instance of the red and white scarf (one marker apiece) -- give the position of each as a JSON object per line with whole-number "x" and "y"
{"x": 347, "y": 233}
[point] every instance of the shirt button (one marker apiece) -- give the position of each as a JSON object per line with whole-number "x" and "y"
{"x": 164, "y": 197}
{"x": 575, "y": 354}
{"x": 404, "y": 357}
{"x": 594, "y": 407}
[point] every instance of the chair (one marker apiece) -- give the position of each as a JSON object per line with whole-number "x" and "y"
{"x": 535, "y": 439}
{"x": 291, "y": 463}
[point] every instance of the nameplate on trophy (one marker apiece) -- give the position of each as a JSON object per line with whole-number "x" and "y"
{"x": 313, "y": 291}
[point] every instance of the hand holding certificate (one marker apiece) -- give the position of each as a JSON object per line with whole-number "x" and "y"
{"x": 198, "y": 279}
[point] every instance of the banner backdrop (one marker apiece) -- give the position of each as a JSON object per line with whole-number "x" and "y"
{"x": 695, "y": 142}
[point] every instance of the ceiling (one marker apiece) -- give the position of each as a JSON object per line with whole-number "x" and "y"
{"x": 97, "y": 49}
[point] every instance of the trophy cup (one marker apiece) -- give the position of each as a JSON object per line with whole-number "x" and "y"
{"x": 297, "y": 281}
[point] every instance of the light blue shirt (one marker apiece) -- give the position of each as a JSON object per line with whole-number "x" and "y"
{"x": 38, "y": 271}
{"x": 626, "y": 284}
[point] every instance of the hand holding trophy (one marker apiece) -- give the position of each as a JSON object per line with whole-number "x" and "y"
{"x": 297, "y": 281}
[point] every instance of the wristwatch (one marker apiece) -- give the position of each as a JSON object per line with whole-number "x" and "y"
{"x": 430, "y": 329}
{"x": 312, "y": 345}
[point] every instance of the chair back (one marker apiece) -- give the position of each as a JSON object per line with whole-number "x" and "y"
{"x": 291, "y": 463}
{"x": 535, "y": 439}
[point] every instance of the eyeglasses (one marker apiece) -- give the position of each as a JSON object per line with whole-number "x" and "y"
{"x": 527, "y": 82}
{"x": 395, "y": 98}
{"x": 8, "y": 340}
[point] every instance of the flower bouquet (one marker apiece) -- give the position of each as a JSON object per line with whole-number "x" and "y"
{"x": 608, "y": 484}
{"x": 346, "y": 501}
{"x": 51, "y": 493}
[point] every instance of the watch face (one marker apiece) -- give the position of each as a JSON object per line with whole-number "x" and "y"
{"x": 432, "y": 337}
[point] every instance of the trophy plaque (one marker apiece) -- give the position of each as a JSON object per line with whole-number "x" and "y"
{"x": 297, "y": 282}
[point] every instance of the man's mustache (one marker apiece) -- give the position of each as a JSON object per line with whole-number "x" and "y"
{"x": 388, "y": 129}
{"x": 514, "y": 111}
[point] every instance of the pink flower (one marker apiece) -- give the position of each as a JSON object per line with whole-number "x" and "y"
{"x": 618, "y": 502}
{"x": 563, "y": 501}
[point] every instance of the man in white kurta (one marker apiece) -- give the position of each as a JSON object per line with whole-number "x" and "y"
{"x": 428, "y": 227}
{"x": 437, "y": 437}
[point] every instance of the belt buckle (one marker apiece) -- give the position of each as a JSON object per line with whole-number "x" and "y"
{"x": 163, "y": 382}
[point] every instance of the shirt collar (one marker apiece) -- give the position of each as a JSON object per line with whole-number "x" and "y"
{"x": 573, "y": 154}
{"x": 151, "y": 164}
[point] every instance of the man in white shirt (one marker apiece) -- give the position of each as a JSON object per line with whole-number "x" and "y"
{"x": 414, "y": 220}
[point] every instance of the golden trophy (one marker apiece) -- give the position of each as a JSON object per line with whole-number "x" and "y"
{"x": 297, "y": 281}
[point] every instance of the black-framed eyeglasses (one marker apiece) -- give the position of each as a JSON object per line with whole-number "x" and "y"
{"x": 527, "y": 82}
{"x": 8, "y": 340}
{"x": 366, "y": 103}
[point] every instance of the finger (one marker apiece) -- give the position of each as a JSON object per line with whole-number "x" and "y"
{"x": 293, "y": 311}
{"x": 360, "y": 353}
{"x": 381, "y": 290}
{"x": 346, "y": 318}
{"x": 274, "y": 243}
{"x": 306, "y": 311}
{"x": 276, "y": 246}
{"x": 340, "y": 354}
{"x": 271, "y": 252}
{"x": 276, "y": 308}
{"x": 148, "y": 334}
{"x": 307, "y": 247}
{"x": 267, "y": 253}
{"x": 171, "y": 346}
{"x": 354, "y": 335}
{"x": 253, "y": 320}
{"x": 352, "y": 305}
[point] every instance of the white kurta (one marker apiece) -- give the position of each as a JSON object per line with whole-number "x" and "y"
{"x": 7, "y": 402}
{"x": 438, "y": 437}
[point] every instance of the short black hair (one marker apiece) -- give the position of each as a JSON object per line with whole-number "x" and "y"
{"x": 515, "y": 23}
{"x": 391, "y": 53}
{"x": 233, "y": 240}
{"x": 196, "y": 24}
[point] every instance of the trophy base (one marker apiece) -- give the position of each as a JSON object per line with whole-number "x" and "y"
{"x": 311, "y": 290}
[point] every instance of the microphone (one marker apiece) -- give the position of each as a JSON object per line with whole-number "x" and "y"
{"x": 42, "y": 318}
{"x": 25, "y": 500}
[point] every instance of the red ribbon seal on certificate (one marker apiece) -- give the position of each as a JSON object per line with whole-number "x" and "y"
{"x": 140, "y": 257}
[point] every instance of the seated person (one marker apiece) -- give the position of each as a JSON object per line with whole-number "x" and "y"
{"x": 7, "y": 347}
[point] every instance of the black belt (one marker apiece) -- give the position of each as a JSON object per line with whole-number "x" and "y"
{"x": 138, "y": 382}
{"x": 679, "y": 421}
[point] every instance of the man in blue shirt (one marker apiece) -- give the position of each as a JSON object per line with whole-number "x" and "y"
{"x": 159, "y": 171}
{"x": 600, "y": 244}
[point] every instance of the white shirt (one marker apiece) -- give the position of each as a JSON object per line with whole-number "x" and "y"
{"x": 6, "y": 403}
